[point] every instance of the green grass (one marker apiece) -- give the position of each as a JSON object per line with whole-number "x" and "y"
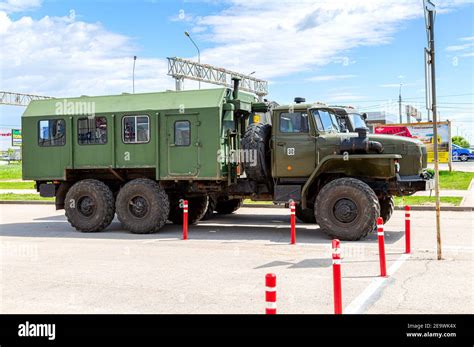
{"x": 17, "y": 185}
{"x": 427, "y": 200}
{"x": 23, "y": 197}
{"x": 10, "y": 172}
{"x": 251, "y": 202}
{"x": 455, "y": 180}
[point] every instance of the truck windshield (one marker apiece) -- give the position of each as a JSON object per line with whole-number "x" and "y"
{"x": 326, "y": 121}
{"x": 357, "y": 120}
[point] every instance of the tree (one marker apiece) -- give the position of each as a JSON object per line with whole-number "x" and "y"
{"x": 460, "y": 141}
{"x": 10, "y": 152}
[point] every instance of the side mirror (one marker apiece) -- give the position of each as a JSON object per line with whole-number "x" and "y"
{"x": 364, "y": 115}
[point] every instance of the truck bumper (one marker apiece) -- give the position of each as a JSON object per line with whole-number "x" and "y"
{"x": 407, "y": 185}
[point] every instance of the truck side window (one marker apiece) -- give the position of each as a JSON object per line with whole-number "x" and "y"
{"x": 136, "y": 129}
{"x": 182, "y": 133}
{"x": 92, "y": 131}
{"x": 296, "y": 122}
{"x": 52, "y": 132}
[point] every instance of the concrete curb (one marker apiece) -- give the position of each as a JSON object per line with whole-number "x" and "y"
{"x": 400, "y": 208}
{"x": 25, "y": 202}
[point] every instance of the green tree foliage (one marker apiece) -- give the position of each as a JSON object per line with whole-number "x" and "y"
{"x": 461, "y": 141}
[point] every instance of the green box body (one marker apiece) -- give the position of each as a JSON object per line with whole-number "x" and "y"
{"x": 204, "y": 111}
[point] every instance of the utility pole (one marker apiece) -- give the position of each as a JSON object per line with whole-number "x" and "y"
{"x": 400, "y": 104}
{"x": 429, "y": 9}
{"x": 133, "y": 73}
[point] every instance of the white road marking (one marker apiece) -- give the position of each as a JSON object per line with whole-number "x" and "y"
{"x": 366, "y": 298}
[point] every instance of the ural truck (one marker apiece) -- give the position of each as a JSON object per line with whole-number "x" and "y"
{"x": 138, "y": 155}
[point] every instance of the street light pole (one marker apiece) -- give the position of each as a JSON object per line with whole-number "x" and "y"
{"x": 133, "y": 73}
{"x": 400, "y": 104}
{"x": 198, "y": 51}
{"x": 429, "y": 9}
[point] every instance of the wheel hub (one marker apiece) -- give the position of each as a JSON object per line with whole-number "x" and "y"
{"x": 138, "y": 206}
{"x": 86, "y": 206}
{"x": 345, "y": 210}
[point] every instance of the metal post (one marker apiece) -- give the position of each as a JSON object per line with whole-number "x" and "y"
{"x": 133, "y": 74}
{"x": 381, "y": 239}
{"x": 270, "y": 294}
{"x": 400, "y": 104}
{"x": 430, "y": 10}
{"x": 336, "y": 274}
{"x": 293, "y": 223}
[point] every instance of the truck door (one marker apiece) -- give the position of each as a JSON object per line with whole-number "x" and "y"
{"x": 183, "y": 145}
{"x": 294, "y": 147}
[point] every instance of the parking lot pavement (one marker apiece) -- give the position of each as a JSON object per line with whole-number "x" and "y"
{"x": 47, "y": 267}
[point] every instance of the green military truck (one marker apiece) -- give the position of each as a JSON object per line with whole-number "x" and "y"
{"x": 138, "y": 155}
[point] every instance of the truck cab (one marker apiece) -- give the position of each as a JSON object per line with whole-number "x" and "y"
{"x": 342, "y": 180}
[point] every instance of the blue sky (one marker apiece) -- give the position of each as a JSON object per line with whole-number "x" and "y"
{"x": 336, "y": 51}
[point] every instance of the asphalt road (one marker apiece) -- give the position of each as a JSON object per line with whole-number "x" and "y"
{"x": 47, "y": 267}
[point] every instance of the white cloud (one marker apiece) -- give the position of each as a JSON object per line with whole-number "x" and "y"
{"x": 60, "y": 56}
{"x": 298, "y": 36}
{"x": 329, "y": 78}
{"x": 19, "y": 5}
{"x": 456, "y": 48}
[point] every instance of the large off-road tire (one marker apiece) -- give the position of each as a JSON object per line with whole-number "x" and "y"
{"x": 90, "y": 206}
{"x": 228, "y": 206}
{"x": 211, "y": 207}
{"x": 347, "y": 209}
{"x": 256, "y": 142}
{"x": 305, "y": 215}
{"x": 142, "y": 206}
{"x": 197, "y": 207}
{"x": 387, "y": 205}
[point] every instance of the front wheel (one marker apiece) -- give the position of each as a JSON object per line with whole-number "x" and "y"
{"x": 347, "y": 209}
{"x": 464, "y": 157}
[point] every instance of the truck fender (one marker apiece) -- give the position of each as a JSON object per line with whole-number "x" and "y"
{"x": 337, "y": 159}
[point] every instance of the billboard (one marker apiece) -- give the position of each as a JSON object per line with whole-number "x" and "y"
{"x": 16, "y": 138}
{"x": 424, "y": 133}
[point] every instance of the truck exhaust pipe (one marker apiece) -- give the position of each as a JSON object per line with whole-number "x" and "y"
{"x": 236, "y": 81}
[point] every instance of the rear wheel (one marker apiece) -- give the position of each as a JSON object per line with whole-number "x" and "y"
{"x": 211, "y": 207}
{"x": 228, "y": 206}
{"x": 347, "y": 209}
{"x": 197, "y": 207}
{"x": 89, "y": 206}
{"x": 387, "y": 206}
{"x": 142, "y": 206}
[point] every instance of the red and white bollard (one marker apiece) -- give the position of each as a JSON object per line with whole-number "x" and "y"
{"x": 293, "y": 222}
{"x": 185, "y": 219}
{"x": 407, "y": 230}
{"x": 336, "y": 271}
{"x": 380, "y": 234}
{"x": 270, "y": 294}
